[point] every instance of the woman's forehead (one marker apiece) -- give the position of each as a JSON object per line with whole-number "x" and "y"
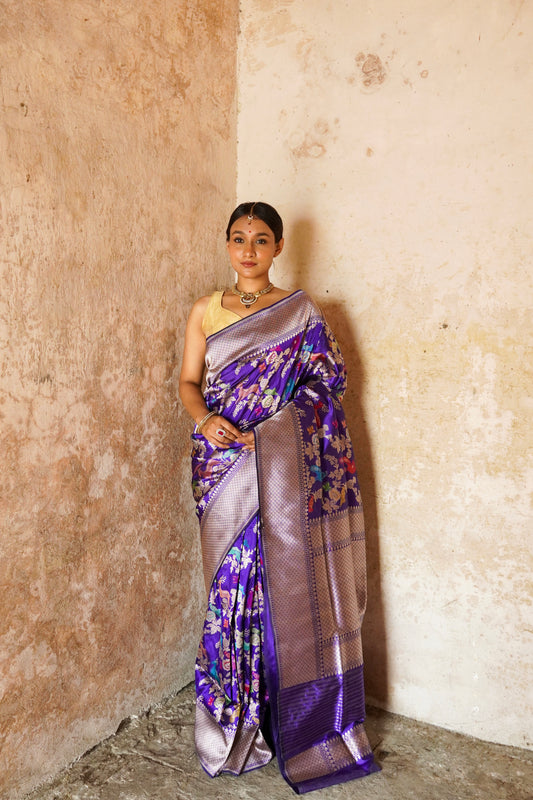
{"x": 243, "y": 225}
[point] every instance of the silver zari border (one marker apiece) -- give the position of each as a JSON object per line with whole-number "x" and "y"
{"x": 235, "y": 501}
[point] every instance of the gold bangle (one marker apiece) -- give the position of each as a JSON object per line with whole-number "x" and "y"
{"x": 202, "y": 422}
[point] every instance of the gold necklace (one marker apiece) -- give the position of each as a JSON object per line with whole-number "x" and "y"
{"x": 249, "y": 298}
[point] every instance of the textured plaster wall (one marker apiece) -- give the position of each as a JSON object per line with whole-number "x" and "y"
{"x": 396, "y": 140}
{"x": 117, "y": 170}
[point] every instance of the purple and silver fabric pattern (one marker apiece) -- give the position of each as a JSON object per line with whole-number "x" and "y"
{"x": 282, "y": 537}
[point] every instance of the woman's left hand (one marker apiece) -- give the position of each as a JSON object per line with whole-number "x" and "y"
{"x": 247, "y": 439}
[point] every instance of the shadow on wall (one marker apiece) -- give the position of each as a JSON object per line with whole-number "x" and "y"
{"x": 374, "y": 634}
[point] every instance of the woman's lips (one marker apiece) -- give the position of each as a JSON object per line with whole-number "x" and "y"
{"x": 247, "y": 263}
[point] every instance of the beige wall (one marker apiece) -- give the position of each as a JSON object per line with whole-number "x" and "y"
{"x": 396, "y": 140}
{"x": 117, "y": 170}
{"x": 397, "y": 145}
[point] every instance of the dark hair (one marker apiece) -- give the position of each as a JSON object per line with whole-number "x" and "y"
{"x": 262, "y": 211}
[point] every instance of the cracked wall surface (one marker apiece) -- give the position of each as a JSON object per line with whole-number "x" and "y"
{"x": 395, "y": 139}
{"x": 117, "y": 174}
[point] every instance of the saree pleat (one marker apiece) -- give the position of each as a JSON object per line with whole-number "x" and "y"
{"x": 229, "y": 681}
{"x": 284, "y": 557}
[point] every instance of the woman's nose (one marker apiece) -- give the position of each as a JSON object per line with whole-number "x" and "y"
{"x": 249, "y": 248}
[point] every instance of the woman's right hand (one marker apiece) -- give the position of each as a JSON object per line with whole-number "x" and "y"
{"x": 221, "y": 433}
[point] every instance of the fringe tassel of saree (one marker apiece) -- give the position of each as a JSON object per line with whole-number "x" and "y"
{"x": 284, "y": 557}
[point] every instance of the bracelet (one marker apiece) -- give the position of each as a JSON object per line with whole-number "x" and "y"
{"x": 202, "y": 422}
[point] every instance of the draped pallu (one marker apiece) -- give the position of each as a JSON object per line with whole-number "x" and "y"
{"x": 280, "y": 662}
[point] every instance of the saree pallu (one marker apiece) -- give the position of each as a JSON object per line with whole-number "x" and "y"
{"x": 280, "y": 663}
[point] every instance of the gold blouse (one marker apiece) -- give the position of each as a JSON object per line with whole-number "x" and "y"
{"x": 217, "y": 317}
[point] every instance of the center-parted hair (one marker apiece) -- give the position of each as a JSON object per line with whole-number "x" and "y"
{"x": 262, "y": 211}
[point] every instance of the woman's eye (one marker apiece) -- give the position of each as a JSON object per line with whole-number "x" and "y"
{"x": 261, "y": 241}
{"x": 238, "y": 240}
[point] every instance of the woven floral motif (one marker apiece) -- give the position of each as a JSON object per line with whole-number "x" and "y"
{"x": 228, "y": 668}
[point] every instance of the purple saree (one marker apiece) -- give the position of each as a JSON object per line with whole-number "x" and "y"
{"x": 280, "y": 663}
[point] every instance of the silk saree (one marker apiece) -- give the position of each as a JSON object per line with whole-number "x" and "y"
{"x": 280, "y": 666}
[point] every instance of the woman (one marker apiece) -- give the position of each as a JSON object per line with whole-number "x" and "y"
{"x": 280, "y": 661}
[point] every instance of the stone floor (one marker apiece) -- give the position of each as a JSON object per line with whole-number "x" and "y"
{"x": 153, "y": 757}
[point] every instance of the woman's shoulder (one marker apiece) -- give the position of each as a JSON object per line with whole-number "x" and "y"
{"x": 299, "y": 295}
{"x": 200, "y": 306}
{"x": 281, "y": 294}
{"x": 308, "y": 306}
{"x": 302, "y": 297}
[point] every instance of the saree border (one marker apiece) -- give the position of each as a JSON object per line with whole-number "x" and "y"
{"x": 223, "y": 519}
{"x": 259, "y": 311}
{"x": 246, "y": 746}
{"x": 286, "y": 512}
{"x": 314, "y": 674}
{"x": 291, "y": 315}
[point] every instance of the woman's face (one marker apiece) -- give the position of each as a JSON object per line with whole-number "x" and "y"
{"x": 252, "y": 248}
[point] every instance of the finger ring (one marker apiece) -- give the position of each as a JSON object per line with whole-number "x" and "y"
{"x": 220, "y": 432}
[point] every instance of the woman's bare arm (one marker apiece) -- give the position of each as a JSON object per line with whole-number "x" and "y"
{"x": 190, "y": 384}
{"x": 192, "y": 368}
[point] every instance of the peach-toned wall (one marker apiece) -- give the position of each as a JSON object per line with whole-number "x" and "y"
{"x": 117, "y": 172}
{"x": 396, "y": 140}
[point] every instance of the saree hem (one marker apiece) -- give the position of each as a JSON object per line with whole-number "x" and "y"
{"x": 344, "y": 775}
{"x": 232, "y": 752}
